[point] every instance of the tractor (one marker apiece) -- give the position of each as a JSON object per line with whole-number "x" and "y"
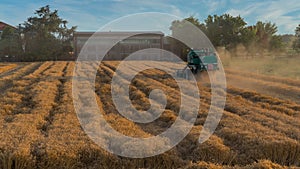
{"x": 198, "y": 61}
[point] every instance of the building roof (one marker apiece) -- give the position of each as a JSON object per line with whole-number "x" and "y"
{"x": 119, "y": 33}
{"x": 3, "y": 25}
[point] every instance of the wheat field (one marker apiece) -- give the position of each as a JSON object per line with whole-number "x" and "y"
{"x": 260, "y": 127}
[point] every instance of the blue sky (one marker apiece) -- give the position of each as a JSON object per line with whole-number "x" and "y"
{"x": 90, "y": 15}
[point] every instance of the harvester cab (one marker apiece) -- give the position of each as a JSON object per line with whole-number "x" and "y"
{"x": 198, "y": 61}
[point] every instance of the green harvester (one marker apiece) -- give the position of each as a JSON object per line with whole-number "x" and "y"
{"x": 198, "y": 61}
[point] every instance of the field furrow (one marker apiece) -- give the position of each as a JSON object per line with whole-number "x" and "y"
{"x": 66, "y": 143}
{"x": 122, "y": 125}
{"x": 255, "y": 117}
{"x": 16, "y": 95}
{"x": 278, "y": 90}
{"x": 267, "y": 78}
{"x": 103, "y": 90}
{"x": 5, "y": 68}
{"x": 24, "y": 125}
{"x": 274, "y": 109}
{"x": 39, "y": 127}
{"x": 269, "y": 116}
{"x": 7, "y": 80}
{"x": 189, "y": 147}
{"x": 264, "y": 101}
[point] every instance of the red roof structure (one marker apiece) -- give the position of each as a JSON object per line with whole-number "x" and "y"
{"x": 3, "y": 25}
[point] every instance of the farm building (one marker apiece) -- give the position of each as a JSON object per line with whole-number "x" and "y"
{"x": 135, "y": 41}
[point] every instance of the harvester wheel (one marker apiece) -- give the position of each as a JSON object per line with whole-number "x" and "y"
{"x": 194, "y": 70}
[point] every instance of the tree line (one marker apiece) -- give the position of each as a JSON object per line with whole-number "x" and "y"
{"x": 42, "y": 37}
{"x": 229, "y": 32}
{"x": 46, "y": 36}
{"x": 296, "y": 44}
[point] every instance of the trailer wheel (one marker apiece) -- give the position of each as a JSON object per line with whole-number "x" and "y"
{"x": 196, "y": 71}
{"x": 192, "y": 69}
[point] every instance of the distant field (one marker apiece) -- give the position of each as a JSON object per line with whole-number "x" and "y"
{"x": 39, "y": 128}
{"x": 277, "y": 66}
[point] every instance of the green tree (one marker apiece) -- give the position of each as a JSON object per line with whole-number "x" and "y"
{"x": 197, "y": 23}
{"x": 276, "y": 43}
{"x": 47, "y": 36}
{"x": 191, "y": 19}
{"x": 296, "y": 44}
{"x": 10, "y": 44}
{"x": 265, "y": 32}
{"x": 266, "y": 38}
{"x": 225, "y": 30}
{"x": 229, "y": 31}
{"x": 248, "y": 35}
{"x": 248, "y": 39}
{"x": 179, "y": 31}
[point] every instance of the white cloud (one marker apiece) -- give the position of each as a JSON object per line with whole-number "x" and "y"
{"x": 176, "y": 11}
{"x": 245, "y": 12}
{"x": 91, "y": 14}
{"x": 274, "y": 11}
{"x": 212, "y": 6}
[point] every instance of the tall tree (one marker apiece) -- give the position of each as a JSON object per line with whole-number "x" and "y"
{"x": 191, "y": 19}
{"x": 296, "y": 44}
{"x": 229, "y": 31}
{"x": 47, "y": 35}
{"x": 179, "y": 32}
{"x": 266, "y": 36}
{"x": 265, "y": 31}
{"x": 276, "y": 43}
{"x": 196, "y": 22}
{"x": 10, "y": 44}
{"x": 225, "y": 30}
{"x": 249, "y": 39}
